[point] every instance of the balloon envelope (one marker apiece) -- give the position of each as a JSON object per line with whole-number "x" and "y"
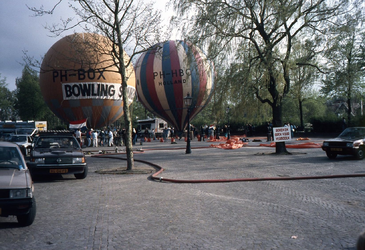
{"x": 79, "y": 80}
{"x": 167, "y": 73}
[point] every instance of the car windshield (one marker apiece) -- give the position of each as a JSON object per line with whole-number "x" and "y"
{"x": 350, "y": 133}
{"x": 15, "y": 138}
{"x": 10, "y": 158}
{"x": 57, "y": 142}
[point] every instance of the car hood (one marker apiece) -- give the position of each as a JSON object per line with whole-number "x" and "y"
{"x": 57, "y": 153}
{"x": 345, "y": 139}
{"x": 14, "y": 178}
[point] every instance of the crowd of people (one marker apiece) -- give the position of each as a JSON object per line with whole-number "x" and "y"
{"x": 95, "y": 138}
{"x": 117, "y": 137}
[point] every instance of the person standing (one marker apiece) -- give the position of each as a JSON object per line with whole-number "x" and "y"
{"x": 269, "y": 131}
{"x": 88, "y": 137}
{"x": 110, "y": 136}
{"x": 165, "y": 133}
{"x": 95, "y": 138}
{"x": 102, "y": 140}
{"x": 78, "y": 136}
{"x": 292, "y": 130}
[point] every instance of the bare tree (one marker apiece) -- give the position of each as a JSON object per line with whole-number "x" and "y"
{"x": 129, "y": 26}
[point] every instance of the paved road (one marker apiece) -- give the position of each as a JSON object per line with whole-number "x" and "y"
{"x": 107, "y": 211}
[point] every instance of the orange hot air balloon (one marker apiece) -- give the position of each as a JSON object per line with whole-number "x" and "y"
{"x": 79, "y": 80}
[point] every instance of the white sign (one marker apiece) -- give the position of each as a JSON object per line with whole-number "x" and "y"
{"x": 95, "y": 90}
{"x": 282, "y": 134}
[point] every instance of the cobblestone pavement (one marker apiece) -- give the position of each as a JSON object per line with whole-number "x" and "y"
{"x": 106, "y": 211}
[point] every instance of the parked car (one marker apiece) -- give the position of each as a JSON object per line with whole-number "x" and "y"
{"x": 349, "y": 142}
{"x": 57, "y": 152}
{"x": 16, "y": 185}
{"x": 24, "y": 141}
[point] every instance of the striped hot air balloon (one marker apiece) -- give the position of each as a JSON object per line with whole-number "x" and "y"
{"x": 167, "y": 73}
{"x": 79, "y": 80}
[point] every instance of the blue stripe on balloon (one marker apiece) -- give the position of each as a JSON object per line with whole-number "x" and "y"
{"x": 143, "y": 79}
{"x": 167, "y": 77}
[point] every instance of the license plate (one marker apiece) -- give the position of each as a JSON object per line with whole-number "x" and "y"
{"x": 336, "y": 149}
{"x": 58, "y": 171}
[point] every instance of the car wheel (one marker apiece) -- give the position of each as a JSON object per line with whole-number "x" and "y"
{"x": 331, "y": 155}
{"x": 360, "y": 154}
{"x": 27, "y": 219}
{"x": 82, "y": 175}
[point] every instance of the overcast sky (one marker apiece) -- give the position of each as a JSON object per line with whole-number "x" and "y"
{"x": 21, "y": 31}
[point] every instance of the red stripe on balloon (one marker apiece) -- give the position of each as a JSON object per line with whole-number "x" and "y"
{"x": 151, "y": 85}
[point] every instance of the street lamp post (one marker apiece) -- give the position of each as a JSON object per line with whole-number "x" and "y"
{"x": 228, "y": 126}
{"x": 187, "y": 101}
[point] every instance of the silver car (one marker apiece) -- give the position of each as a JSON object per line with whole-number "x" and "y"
{"x": 16, "y": 185}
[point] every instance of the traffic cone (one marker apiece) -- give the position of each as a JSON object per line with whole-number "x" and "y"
{"x": 173, "y": 140}
{"x": 161, "y": 140}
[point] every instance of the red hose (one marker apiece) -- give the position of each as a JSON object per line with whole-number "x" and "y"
{"x": 160, "y": 170}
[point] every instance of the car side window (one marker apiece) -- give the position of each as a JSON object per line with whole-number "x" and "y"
{"x": 16, "y": 158}
{"x": 11, "y": 158}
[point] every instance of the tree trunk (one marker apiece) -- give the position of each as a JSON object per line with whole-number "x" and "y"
{"x": 129, "y": 147}
{"x": 128, "y": 122}
{"x": 126, "y": 109}
{"x": 301, "y": 114}
{"x": 349, "y": 112}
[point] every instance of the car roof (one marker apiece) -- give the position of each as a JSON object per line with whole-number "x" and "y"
{"x": 8, "y": 144}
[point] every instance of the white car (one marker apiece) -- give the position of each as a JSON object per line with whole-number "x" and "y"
{"x": 24, "y": 141}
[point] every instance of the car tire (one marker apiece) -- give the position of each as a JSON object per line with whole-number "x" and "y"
{"x": 25, "y": 220}
{"x": 82, "y": 175}
{"x": 331, "y": 155}
{"x": 360, "y": 154}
